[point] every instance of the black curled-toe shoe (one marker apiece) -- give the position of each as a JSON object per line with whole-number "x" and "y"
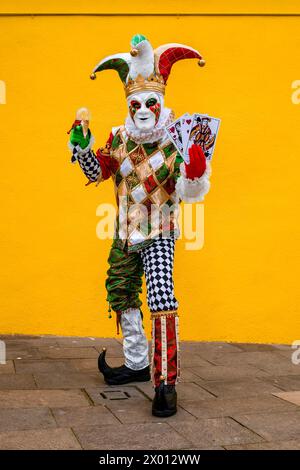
{"x": 165, "y": 400}
{"x": 121, "y": 375}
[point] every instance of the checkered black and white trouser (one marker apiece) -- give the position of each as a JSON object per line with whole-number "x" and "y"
{"x": 158, "y": 262}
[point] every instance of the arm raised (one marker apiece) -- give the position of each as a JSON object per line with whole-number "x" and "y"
{"x": 96, "y": 167}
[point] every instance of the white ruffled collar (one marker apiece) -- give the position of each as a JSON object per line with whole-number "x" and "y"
{"x": 155, "y": 134}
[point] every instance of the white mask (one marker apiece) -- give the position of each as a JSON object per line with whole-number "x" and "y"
{"x": 144, "y": 109}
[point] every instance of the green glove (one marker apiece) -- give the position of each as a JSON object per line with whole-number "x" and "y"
{"x": 77, "y": 137}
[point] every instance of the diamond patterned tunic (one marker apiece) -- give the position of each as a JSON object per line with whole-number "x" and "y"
{"x": 145, "y": 176}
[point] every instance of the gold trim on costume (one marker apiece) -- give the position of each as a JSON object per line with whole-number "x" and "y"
{"x": 164, "y": 313}
{"x": 164, "y": 349}
{"x": 152, "y": 367}
{"x": 177, "y": 349}
{"x": 152, "y": 83}
{"x": 99, "y": 179}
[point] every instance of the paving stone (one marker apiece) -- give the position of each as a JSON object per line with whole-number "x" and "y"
{"x": 280, "y": 426}
{"x": 204, "y": 447}
{"x": 32, "y": 342}
{"x": 146, "y": 388}
{"x": 239, "y": 388}
{"x": 227, "y": 373}
{"x": 86, "y": 365}
{"x": 7, "y": 368}
{"x": 46, "y": 398}
{"x": 185, "y": 391}
{"x": 292, "y": 397}
{"x": 87, "y": 415}
{"x": 16, "y": 419}
{"x": 22, "y": 353}
{"x": 187, "y": 375}
{"x": 17, "y": 382}
{"x": 128, "y": 412}
{"x": 77, "y": 341}
{"x": 268, "y": 361}
{"x": 99, "y": 343}
{"x": 202, "y": 347}
{"x": 288, "y": 383}
{"x": 112, "y": 351}
{"x": 287, "y": 353}
{"x": 105, "y": 394}
{"x": 222, "y": 384}
{"x": 91, "y": 365}
{"x": 255, "y": 347}
{"x": 283, "y": 369}
{"x": 113, "y": 361}
{"x": 190, "y": 359}
{"x": 281, "y": 445}
{"x": 218, "y": 358}
{"x": 43, "y": 366}
{"x": 192, "y": 391}
{"x": 227, "y": 407}
{"x": 68, "y": 353}
{"x": 46, "y": 439}
{"x": 75, "y": 379}
{"x": 216, "y": 431}
{"x": 134, "y": 436}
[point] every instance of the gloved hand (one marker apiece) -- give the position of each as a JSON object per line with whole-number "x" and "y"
{"x": 197, "y": 165}
{"x": 77, "y": 137}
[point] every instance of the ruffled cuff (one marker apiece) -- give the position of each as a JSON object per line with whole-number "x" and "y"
{"x": 194, "y": 190}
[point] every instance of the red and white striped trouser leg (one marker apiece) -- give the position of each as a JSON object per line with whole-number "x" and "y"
{"x": 165, "y": 361}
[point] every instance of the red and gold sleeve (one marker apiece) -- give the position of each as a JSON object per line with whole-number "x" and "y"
{"x": 104, "y": 158}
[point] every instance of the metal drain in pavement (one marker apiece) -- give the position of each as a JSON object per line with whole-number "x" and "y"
{"x": 115, "y": 395}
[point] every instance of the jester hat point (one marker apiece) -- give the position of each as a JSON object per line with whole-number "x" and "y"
{"x": 145, "y": 69}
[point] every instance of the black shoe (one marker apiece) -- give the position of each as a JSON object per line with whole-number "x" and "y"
{"x": 103, "y": 367}
{"x": 165, "y": 400}
{"x": 121, "y": 375}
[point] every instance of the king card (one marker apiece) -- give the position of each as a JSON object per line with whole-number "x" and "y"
{"x": 203, "y": 132}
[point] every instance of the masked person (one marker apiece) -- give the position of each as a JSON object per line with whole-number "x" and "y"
{"x": 150, "y": 179}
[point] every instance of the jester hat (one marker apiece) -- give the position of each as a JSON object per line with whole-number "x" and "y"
{"x": 145, "y": 69}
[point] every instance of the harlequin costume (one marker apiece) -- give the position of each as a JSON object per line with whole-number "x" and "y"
{"x": 150, "y": 180}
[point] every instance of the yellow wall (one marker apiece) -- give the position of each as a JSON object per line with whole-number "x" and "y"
{"x": 243, "y": 285}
